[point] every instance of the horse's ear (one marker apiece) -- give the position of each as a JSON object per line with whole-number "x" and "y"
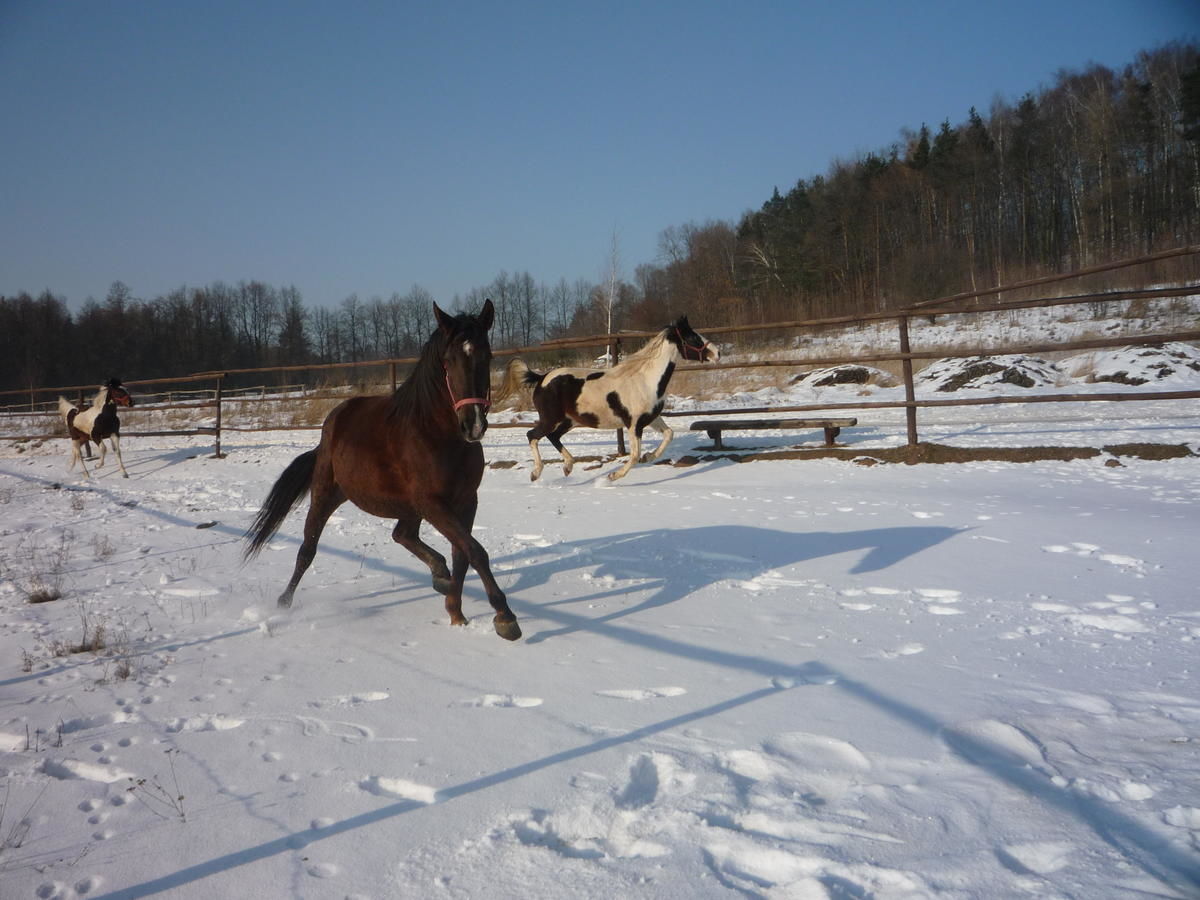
{"x": 487, "y": 314}
{"x": 444, "y": 321}
{"x": 682, "y": 322}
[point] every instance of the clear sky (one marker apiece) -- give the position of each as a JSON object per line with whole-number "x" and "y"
{"x": 352, "y": 147}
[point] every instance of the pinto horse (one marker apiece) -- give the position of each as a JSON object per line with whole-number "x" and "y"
{"x": 97, "y": 423}
{"x": 412, "y": 456}
{"x": 629, "y": 395}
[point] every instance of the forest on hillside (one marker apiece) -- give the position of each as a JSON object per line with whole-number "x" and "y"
{"x": 1097, "y": 166}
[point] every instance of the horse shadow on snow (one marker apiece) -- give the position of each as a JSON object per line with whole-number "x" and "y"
{"x": 672, "y": 564}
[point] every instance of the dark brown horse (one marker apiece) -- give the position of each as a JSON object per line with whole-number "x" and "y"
{"x": 413, "y": 456}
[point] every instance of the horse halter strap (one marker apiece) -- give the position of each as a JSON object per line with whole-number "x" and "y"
{"x": 685, "y": 347}
{"x": 485, "y": 402}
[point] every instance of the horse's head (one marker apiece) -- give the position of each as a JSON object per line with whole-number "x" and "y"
{"x": 117, "y": 394}
{"x": 692, "y": 346}
{"x": 467, "y": 361}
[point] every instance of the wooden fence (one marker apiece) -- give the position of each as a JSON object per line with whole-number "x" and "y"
{"x": 215, "y": 398}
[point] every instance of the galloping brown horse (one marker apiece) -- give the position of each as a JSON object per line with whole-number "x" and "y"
{"x": 413, "y": 456}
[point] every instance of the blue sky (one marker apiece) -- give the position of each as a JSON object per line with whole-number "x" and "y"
{"x": 369, "y": 147}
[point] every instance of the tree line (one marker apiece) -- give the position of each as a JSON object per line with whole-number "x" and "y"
{"x": 1099, "y": 165}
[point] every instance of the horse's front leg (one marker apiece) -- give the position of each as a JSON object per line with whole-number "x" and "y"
{"x": 667, "y": 434}
{"x": 407, "y": 535}
{"x": 456, "y": 526}
{"x": 116, "y": 443}
{"x": 103, "y": 453}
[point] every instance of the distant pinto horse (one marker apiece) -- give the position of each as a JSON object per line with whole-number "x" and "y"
{"x": 97, "y": 423}
{"x": 630, "y": 395}
{"x": 412, "y": 456}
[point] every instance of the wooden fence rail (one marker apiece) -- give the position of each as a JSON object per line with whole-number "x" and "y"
{"x": 926, "y": 311}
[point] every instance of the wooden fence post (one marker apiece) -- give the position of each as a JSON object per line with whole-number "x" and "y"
{"x": 392, "y": 373}
{"x": 910, "y": 394}
{"x": 218, "y": 454}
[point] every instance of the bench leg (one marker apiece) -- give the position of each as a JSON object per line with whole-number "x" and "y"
{"x": 715, "y": 434}
{"x": 830, "y": 435}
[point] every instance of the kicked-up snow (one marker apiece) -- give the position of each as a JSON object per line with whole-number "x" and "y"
{"x": 777, "y": 679}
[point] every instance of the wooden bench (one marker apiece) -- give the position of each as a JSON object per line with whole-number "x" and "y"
{"x": 714, "y": 427}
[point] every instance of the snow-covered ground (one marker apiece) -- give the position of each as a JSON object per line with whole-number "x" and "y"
{"x": 783, "y": 679}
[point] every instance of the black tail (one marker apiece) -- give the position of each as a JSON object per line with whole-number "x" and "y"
{"x": 286, "y": 494}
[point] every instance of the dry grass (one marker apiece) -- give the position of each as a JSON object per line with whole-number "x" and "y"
{"x": 37, "y": 570}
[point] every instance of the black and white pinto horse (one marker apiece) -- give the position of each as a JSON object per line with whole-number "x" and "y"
{"x": 629, "y": 395}
{"x": 97, "y": 423}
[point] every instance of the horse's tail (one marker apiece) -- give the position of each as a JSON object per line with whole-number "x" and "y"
{"x": 69, "y": 411}
{"x": 517, "y": 376}
{"x": 65, "y": 408}
{"x": 286, "y": 494}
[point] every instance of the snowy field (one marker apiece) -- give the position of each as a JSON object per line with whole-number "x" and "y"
{"x": 777, "y": 679}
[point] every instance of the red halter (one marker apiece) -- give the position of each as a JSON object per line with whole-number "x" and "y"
{"x": 685, "y": 347}
{"x": 485, "y": 402}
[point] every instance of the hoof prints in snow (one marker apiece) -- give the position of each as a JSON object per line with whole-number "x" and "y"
{"x": 501, "y": 701}
{"x": 72, "y": 768}
{"x": 402, "y": 788}
{"x": 642, "y": 693}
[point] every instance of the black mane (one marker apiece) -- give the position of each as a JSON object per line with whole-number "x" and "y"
{"x": 421, "y": 396}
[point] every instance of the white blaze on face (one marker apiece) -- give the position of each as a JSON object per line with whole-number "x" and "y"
{"x": 468, "y": 348}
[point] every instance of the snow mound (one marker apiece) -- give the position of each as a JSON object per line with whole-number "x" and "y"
{"x": 846, "y": 374}
{"x": 1171, "y": 363}
{"x": 990, "y": 371}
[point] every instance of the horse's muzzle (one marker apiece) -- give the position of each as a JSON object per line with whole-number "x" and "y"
{"x": 712, "y": 353}
{"x": 472, "y": 422}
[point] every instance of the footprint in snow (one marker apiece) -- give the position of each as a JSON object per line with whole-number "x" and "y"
{"x": 382, "y": 786}
{"x": 903, "y": 650}
{"x": 204, "y": 723}
{"x": 1037, "y": 858}
{"x": 501, "y": 701}
{"x": 642, "y": 693}
{"x": 1079, "y": 549}
{"x": 945, "y": 595}
{"x": 351, "y": 699}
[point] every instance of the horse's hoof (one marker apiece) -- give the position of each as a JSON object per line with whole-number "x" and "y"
{"x": 284, "y": 601}
{"x": 510, "y": 631}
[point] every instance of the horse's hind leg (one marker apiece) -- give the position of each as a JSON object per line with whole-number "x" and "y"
{"x": 407, "y": 535}
{"x": 326, "y": 496}
{"x": 555, "y": 438}
{"x": 535, "y": 434}
{"x": 77, "y": 456}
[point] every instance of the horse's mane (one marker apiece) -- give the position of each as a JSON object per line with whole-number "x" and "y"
{"x": 420, "y": 393}
{"x": 647, "y": 354}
